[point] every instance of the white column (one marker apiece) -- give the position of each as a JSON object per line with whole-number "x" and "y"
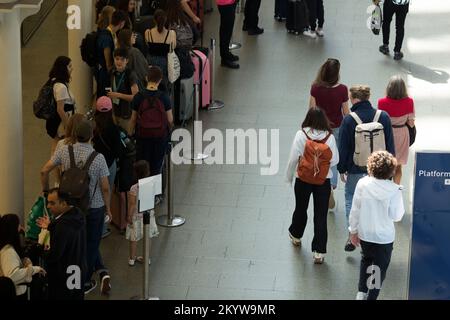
{"x": 82, "y": 81}
{"x": 11, "y": 131}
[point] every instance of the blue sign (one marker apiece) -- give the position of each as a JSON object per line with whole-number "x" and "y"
{"x": 429, "y": 271}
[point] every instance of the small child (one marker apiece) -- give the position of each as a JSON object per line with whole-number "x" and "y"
{"x": 377, "y": 204}
{"x": 135, "y": 227}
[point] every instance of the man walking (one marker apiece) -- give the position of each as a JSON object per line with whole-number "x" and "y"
{"x": 99, "y": 197}
{"x": 400, "y": 8}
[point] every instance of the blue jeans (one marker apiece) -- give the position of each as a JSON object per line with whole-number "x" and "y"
{"x": 94, "y": 228}
{"x": 334, "y": 179}
{"x": 350, "y": 186}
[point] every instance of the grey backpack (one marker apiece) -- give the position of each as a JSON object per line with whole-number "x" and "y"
{"x": 185, "y": 37}
{"x": 369, "y": 137}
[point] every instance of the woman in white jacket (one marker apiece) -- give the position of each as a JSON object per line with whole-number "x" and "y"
{"x": 313, "y": 153}
{"x": 11, "y": 266}
{"x": 377, "y": 204}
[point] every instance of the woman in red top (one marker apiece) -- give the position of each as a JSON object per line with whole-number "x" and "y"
{"x": 332, "y": 97}
{"x": 400, "y": 108}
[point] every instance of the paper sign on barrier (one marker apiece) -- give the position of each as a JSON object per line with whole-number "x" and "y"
{"x": 148, "y": 189}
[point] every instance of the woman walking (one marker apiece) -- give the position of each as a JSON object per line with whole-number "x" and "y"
{"x": 313, "y": 153}
{"x": 331, "y": 96}
{"x": 400, "y": 108}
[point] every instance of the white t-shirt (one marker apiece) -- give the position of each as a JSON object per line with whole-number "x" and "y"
{"x": 62, "y": 93}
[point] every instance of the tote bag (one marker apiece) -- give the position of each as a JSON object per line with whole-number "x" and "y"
{"x": 173, "y": 66}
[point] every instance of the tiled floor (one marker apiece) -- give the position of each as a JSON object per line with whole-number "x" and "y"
{"x": 234, "y": 244}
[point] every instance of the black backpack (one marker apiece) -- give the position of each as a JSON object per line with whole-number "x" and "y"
{"x": 45, "y": 105}
{"x": 75, "y": 182}
{"x": 88, "y": 49}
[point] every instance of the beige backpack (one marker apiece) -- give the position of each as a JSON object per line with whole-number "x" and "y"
{"x": 369, "y": 137}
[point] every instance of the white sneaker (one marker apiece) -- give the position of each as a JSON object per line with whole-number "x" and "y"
{"x": 361, "y": 296}
{"x": 318, "y": 257}
{"x": 295, "y": 241}
{"x": 309, "y": 33}
{"x": 319, "y": 32}
{"x": 131, "y": 262}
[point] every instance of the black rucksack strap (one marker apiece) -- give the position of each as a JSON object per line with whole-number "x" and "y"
{"x": 72, "y": 157}
{"x": 90, "y": 160}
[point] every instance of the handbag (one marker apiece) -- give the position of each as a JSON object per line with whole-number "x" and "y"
{"x": 173, "y": 65}
{"x": 412, "y": 134}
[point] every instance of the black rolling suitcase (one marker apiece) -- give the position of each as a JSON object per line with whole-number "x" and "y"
{"x": 280, "y": 9}
{"x": 297, "y": 16}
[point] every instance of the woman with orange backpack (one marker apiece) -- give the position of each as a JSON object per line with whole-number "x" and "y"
{"x": 313, "y": 153}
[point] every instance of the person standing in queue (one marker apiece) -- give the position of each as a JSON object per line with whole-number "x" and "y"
{"x": 227, "y": 10}
{"x": 251, "y": 18}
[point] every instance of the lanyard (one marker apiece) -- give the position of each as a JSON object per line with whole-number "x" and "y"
{"x": 116, "y": 87}
{"x": 113, "y": 35}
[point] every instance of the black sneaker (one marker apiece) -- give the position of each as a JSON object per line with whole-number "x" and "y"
{"x": 233, "y": 57}
{"x": 349, "y": 247}
{"x": 230, "y": 64}
{"x": 398, "y": 55}
{"x": 256, "y": 31}
{"x": 88, "y": 287}
{"x": 384, "y": 49}
{"x": 105, "y": 285}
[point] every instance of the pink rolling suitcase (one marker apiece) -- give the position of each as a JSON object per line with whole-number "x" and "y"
{"x": 202, "y": 75}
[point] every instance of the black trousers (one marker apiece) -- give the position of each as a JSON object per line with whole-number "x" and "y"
{"x": 373, "y": 254}
{"x": 400, "y": 11}
{"x": 227, "y": 17}
{"x": 316, "y": 14}
{"x": 251, "y": 19}
{"x": 152, "y": 150}
{"x": 321, "y": 196}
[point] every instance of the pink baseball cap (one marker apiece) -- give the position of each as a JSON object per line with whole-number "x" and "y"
{"x": 104, "y": 104}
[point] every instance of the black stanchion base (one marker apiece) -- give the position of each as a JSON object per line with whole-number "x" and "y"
{"x": 216, "y": 105}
